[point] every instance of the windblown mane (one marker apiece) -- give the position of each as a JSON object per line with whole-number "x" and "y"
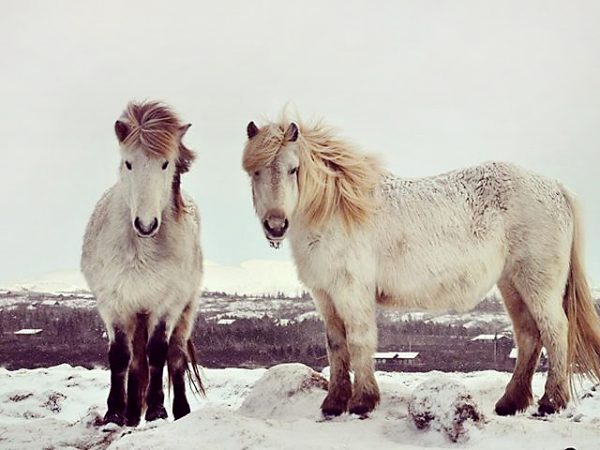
{"x": 333, "y": 176}
{"x": 156, "y": 129}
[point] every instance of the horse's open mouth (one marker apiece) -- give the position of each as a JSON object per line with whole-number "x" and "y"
{"x": 275, "y": 242}
{"x": 145, "y": 236}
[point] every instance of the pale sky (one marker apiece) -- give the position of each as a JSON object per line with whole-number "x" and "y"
{"x": 429, "y": 85}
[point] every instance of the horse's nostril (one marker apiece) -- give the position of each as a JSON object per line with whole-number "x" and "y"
{"x": 153, "y": 225}
{"x": 145, "y": 230}
{"x": 276, "y": 226}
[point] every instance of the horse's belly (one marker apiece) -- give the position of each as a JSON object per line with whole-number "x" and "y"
{"x": 456, "y": 283}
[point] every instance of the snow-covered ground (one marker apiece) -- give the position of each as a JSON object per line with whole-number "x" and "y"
{"x": 60, "y": 407}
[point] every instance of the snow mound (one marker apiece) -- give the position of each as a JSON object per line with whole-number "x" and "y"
{"x": 286, "y": 391}
{"x": 445, "y": 406}
{"x": 53, "y": 433}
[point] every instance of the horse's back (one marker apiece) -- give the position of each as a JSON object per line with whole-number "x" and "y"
{"x": 96, "y": 222}
{"x": 444, "y": 241}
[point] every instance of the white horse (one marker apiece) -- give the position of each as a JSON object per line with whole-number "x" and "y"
{"x": 362, "y": 237}
{"x": 142, "y": 260}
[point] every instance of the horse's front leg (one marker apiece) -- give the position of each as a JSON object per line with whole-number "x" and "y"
{"x": 119, "y": 355}
{"x": 137, "y": 378}
{"x": 177, "y": 360}
{"x": 158, "y": 344}
{"x": 355, "y": 305}
{"x": 340, "y": 388}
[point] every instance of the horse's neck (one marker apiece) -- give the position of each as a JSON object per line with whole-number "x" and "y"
{"x": 302, "y": 236}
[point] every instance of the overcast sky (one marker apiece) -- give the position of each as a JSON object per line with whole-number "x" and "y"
{"x": 429, "y": 85}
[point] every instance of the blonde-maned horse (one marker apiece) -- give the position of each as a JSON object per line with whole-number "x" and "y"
{"x": 142, "y": 260}
{"x": 362, "y": 237}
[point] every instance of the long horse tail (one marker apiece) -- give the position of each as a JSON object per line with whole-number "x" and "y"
{"x": 192, "y": 369}
{"x": 578, "y": 303}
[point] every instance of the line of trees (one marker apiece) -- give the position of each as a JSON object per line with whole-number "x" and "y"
{"x": 76, "y": 336}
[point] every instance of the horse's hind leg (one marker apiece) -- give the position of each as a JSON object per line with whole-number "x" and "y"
{"x": 546, "y": 307}
{"x": 518, "y": 395}
{"x": 157, "y": 355}
{"x": 137, "y": 380}
{"x": 119, "y": 354}
{"x": 177, "y": 361}
{"x": 340, "y": 388}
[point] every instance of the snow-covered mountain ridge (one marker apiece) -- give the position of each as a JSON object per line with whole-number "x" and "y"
{"x": 253, "y": 277}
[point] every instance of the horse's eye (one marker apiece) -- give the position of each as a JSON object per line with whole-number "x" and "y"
{"x": 256, "y": 173}
{"x": 165, "y": 165}
{"x": 128, "y": 165}
{"x": 293, "y": 171}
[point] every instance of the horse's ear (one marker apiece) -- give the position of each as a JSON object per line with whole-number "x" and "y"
{"x": 121, "y": 130}
{"x": 183, "y": 129}
{"x": 291, "y": 134}
{"x": 251, "y": 130}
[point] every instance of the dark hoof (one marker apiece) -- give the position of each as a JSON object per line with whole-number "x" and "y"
{"x": 551, "y": 405}
{"x": 335, "y": 405}
{"x": 509, "y": 407}
{"x": 332, "y": 411}
{"x": 545, "y": 409}
{"x": 505, "y": 409}
{"x": 114, "y": 417}
{"x": 180, "y": 408}
{"x": 133, "y": 421}
{"x": 155, "y": 413}
{"x": 361, "y": 410}
{"x": 133, "y": 415}
{"x": 363, "y": 405}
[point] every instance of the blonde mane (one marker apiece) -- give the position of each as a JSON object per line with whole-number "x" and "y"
{"x": 333, "y": 178}
{"x": 156, "y": 129}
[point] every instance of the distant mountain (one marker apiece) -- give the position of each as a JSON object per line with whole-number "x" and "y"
{"x": 254, "y": 277}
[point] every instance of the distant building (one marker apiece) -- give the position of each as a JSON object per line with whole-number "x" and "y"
{"x": 492, "y": 348}
{"x": 489, "y": 337}
{"x": 543, "y": 358}
{"x": 396, "y": 360}
{"x": 28, "y": 332}
{"x": 225, "y": 321}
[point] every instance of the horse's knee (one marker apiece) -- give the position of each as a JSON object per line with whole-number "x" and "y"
{"x": 335, "y": 342}
{"x": 157, "y": 346}
{"x": 176, "y": 356}
{"x": 119, "y": 353}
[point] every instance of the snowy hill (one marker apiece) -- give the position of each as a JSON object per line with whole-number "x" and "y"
{"x": 255, "y": 277}
{"x": 60, "y": 407}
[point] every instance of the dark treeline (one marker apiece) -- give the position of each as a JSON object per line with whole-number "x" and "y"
{"x": 76, "y": 336}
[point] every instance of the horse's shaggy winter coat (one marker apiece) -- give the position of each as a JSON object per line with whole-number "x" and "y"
{"x": 146, "y": 287}
{"x": 362, "y": 237}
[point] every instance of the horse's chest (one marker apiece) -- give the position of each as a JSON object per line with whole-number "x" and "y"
{"x": 144, "y": 279}
{"x": 322, "y": 261}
